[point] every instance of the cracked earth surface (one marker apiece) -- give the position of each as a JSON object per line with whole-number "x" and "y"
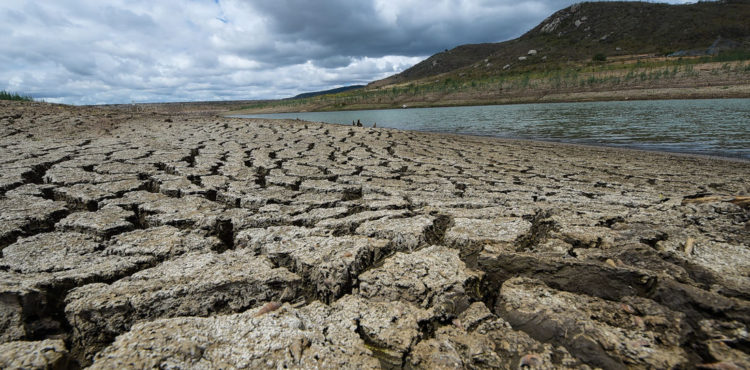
{"x": 139, "y": 239}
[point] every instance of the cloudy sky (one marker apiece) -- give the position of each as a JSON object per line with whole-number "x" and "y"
{"x": 119, "y": 51}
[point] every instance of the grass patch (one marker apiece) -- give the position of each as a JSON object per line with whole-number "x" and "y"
{"x": 478, "y": 84}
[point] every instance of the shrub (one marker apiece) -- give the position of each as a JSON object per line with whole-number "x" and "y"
{"x": 5, "y": 95}
{"x": 599, "y": 57}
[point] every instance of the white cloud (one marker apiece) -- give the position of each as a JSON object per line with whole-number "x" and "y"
{"x": 105, "y": 51}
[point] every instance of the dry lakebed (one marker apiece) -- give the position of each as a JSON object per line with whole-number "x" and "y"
{"x": 138, "y": 239}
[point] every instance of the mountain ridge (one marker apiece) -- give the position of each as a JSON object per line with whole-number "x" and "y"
{"x": 329, "y": 91}
{"x": 587, "y": 51}
{"x": 583, "y": 30}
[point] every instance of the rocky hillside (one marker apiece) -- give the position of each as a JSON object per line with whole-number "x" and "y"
{"x": 612, "y": 29}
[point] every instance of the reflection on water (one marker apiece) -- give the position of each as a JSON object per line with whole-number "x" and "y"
{"x": 714, "y": 127}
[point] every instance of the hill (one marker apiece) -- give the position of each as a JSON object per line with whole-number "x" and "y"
{"x": 326, "y": 92}
{"x": 611, "y": 29}
{"x": 588, "y": 51}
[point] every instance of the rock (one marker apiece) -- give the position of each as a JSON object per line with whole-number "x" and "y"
{"x": 552, "y": 25}
{"x": 62, "y": 175}
{"x": 522, "y": 58}
{"x": 46, "y": 354}
{"x": 325, "y": 186}
{"x": 12, "y": 180}
{"x": 176, "y": 186}
{"x": 122, "y": 168}
{"x": 531, "y": 52}
{"x": 191, "y": 285}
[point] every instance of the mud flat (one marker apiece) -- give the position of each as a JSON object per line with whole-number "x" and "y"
{"x": 137, "y": 239}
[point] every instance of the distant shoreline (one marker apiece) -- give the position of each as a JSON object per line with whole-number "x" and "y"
{"x": 668, "y": 93}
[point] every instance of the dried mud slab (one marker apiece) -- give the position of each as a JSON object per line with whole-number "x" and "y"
{"x": 27, "y": 215}
{"x": 309, "y": 337}
{"x": 102, "y": 224}
{"x": 634, "y": 332}
{"x": 161, "y": 243}
{"x": 477, "y": 338}
{"x": 46, "y": 354}
{"x": 330, "y": 264}
{"x": 166, "y": 236}
{"x": 427, "y": 278}
{"x": 191, "y": 285}
{"x": 36, "y": 273}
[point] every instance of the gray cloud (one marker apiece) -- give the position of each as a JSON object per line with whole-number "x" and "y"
{"x": 93, "y": 51}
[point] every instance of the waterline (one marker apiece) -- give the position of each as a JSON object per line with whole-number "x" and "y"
{"x": 719, "y": 127}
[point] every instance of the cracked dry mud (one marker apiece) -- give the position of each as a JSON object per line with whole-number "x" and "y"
{"x": 139, "y": 239}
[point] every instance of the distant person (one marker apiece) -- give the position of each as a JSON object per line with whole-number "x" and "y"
{"x": 359, "y": 124}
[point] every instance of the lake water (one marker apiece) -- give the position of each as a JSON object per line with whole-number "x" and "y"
{"x": 719, "y": 127}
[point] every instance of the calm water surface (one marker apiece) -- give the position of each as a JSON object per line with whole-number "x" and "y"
{"x": 714, "y": 127}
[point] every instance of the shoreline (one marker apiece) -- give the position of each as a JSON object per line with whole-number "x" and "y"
{"x": 536, "y": 140}
{"x": 732, "y": 152}
{"x": 150, "y": 239}
{"x": 676, "y": 93}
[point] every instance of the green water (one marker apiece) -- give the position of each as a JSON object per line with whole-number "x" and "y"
{"x": 719, "y": 127}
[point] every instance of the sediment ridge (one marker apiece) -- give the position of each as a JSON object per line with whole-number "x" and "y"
{"x": 132, "y": 238}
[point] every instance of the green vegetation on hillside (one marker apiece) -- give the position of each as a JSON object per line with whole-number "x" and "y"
{"x": 5, "y": 95}
{"x": 581, "y": 31}
{"x": 585, "y": 48}
{"x": 325, "y": 92}
{"x": 452, "y": 89}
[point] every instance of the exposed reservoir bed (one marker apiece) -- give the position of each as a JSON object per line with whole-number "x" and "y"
{"x": 148, "y": 239}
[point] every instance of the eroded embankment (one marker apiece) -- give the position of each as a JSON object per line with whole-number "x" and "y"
{"x": 145, "y": 240}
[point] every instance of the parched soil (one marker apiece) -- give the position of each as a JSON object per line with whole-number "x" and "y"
{"x": 132, "y": 238}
